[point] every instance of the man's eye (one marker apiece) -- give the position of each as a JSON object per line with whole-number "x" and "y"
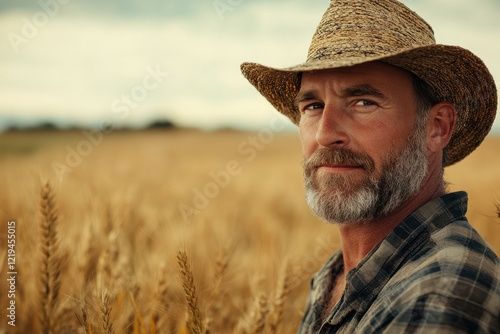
{"x": 313, "y": 106}
{"x": 365, "y": 103}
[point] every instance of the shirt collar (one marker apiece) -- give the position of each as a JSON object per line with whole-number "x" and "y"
{"x": 366, "y": 280}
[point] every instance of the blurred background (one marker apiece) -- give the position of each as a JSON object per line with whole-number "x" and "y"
{"x": 132, "y": 63}
{"x": 127, "y": 201}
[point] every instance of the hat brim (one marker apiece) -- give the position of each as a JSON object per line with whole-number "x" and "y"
{"x": 456, "y": 74}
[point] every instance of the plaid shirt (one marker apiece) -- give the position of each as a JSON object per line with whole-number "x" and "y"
{"x": 432, "y": 274}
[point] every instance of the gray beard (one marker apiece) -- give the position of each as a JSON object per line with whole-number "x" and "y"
{"x": 338, "y": 199}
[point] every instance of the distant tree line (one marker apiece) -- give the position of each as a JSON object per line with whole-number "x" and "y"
{"x": 50, "y": 126}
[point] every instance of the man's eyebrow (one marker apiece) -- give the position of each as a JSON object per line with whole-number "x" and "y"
{"x": 360, "y": 90}
{"x": 305, "y": 96}
{"x": 357, "y": 90}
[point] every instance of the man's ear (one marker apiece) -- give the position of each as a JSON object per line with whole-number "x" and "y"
{"x": 440, "y": 125}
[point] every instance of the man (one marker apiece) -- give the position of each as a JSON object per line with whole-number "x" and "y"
{"x": 382, "y": 110}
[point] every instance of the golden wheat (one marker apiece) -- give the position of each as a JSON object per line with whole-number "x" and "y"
{"x": 107, "y": 325}
{"x": 86, "y": 325}
{"x": 282, "y": 290}
{"x": 259, "y": 313}
{"x": 138, "y": 320}
{"x": 190, "y": 292}
{"x": 161, "y": 301}
{"x": 117, "y": 228}
{"x": 50, "y": 263}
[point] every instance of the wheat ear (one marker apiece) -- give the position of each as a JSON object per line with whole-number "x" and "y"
{"x": 86, "y": 323}
{"x": 259, "y": 314}
{"x": 189, "y": 292}
{"x": 50, "y": 262}
{"x": 282, "y": 290}
{"x": 161, "y": 299}
{"x": 107, "y": 325}
{"x": 221, "y": 264}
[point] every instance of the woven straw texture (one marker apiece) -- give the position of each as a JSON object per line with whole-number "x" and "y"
{"x": 357, "y": 31}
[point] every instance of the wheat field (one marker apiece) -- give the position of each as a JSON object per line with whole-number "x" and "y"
{"x": 177, "y": 231}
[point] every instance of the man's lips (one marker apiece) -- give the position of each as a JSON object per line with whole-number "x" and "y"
{"x": 338, "y": 168}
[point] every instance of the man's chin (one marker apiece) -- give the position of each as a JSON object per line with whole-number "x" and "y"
{"x": 343, "y": 206}
{"x": 340, "y": 189}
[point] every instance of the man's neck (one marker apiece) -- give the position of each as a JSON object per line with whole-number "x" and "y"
{"x": 358, "y": 239}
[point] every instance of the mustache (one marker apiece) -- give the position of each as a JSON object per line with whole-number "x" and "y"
{"x": 337, "y": 156}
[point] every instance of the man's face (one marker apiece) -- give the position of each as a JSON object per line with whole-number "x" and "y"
{"x": 364, "y": 151}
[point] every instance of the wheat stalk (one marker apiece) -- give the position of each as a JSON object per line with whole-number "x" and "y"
{"x": 221, "y": 264}
{"x": 106, "y": 264}
{"x": 138, "y": 316}
{"x": 3, "y": 256}
{"x": 259, "y": 314}
{"x": 86, "y": 323}
{"x": 161, "y": 299}
{"x": 50, "y": 263}
{"x": 107, "y": 325}
{"x": 189, "y": 292}
{"x": 282, "y": 290}
{"x": 152, "y": 326}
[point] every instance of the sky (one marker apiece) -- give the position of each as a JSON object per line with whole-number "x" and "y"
{"x": 129, "y": 62}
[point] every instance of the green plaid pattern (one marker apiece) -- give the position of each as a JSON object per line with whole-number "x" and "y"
{"x": 432, "y": 274}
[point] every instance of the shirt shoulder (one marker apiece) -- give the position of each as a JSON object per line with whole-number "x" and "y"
{"x": 450, "y": 281}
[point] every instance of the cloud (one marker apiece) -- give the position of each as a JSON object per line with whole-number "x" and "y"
{"x": 89, "y": 55}
{"x": 76, "y": 67}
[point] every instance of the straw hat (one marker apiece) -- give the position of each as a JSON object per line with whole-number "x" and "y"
{"x": 357, "y": 31}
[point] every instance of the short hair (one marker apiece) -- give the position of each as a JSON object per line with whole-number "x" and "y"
{"x": 425, "y": 95}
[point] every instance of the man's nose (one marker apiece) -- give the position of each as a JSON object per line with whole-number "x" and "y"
{"x": 332, "y": 130}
